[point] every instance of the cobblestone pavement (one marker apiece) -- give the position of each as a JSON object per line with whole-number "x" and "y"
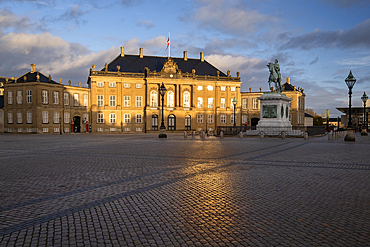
{"x": 138, "y": 190}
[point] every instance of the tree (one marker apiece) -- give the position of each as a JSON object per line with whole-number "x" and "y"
{"x": 310, "y": 111}
{"x": 317, "y": 121}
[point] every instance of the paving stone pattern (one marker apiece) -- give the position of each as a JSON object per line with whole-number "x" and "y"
{"x": 138, "y": 190}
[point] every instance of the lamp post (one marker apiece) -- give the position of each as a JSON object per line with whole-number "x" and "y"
{"x": 162, "y": 130}
{"x": 60, "y": 128}
{"x": 350, "y": 81}
{"x": 235, "y": 101}
{"x": 364, "y": 98}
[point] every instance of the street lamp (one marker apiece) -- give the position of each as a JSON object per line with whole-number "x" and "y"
{"x": 60, "y": 128}
{"x": 235, "y": 101}
{"x": 350, "y": 81}
{"x": 162, "y": 134}
{"x": 364, "y": 98}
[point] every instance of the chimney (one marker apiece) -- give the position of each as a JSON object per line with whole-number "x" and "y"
{"x": 185, "y": 56}
{"x": 250, "y": 89}
{"x": 288, "y": 80}
{"x": 122, "y": 53}
{"x": 141, "y": 52}
{"x": 33, "y": 68}
{"x": 261, "y": 89}
{"x": 202, "y": 56}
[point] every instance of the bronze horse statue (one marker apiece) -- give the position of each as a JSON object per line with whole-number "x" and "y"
{"x": 275, "y": 76}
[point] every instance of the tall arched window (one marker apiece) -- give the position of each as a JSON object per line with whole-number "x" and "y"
{"x": 186, "y": 99}
{"x": 187, "y": 122}
{"x": 171, "y": 122}
{"x": 170, "y": 99}
{"x": 155, "y": 122}
{"x": 153, "y": 99}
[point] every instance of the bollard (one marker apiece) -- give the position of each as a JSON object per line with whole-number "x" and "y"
{"x": 305, "y": 135}
{"x": 282, "y": 134}
{"x": 262, "y": 135}
{"x": 221, "y": 134}
{"x": 193, "y": 134}
{"x": 241, "y": 135}
{"x": 185, "y": 134}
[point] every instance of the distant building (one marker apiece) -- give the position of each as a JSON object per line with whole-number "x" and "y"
{"x": 357, "y": 115}
{"x": 123, "y": 97}
{"x": 308, "y": 120}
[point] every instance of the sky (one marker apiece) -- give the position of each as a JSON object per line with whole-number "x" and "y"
{"x": 317, "y": 42}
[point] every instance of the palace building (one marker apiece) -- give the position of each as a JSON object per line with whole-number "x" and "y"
{"x": 123, "y": 97}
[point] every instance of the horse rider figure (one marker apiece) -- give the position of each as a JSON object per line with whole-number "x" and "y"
{"x": 275, "y": 76}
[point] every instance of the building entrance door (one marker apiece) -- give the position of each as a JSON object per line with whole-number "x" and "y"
{"x": 77, "y": 124}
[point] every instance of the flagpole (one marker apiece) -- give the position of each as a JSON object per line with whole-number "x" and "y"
{"x": 169, "y": 46}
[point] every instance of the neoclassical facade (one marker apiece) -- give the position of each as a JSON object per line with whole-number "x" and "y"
{"x": 123, "y": 97}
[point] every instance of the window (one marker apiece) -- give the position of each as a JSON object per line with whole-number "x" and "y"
{"x": 223, "y": 88}
{"x": 210, "y": 102}
{"x": 100, "y": 100}
{"x": 127, "y": 118}
{"x": 245, "y": 119}
{"x": 66, "y": 117}
{"x": 138, "y": 101}
{"x": 139, "y": 85}
{"x": 210, "y": 88}
{"x": 154, "y": 122}
{"x": 186, "y": 99}
{"x": 112, "y": 118}
{"x": 56, "y": 98}
{"x": 85, "y": 117}
{"x": 232, "y": 89}
{"x": 100, "y": 84}
{"x": 100, "y": 118}
{"x": 255, "y": 103}
{"x": 171, "y": 122}
{"x": 29, "y": 117}
{"x": 127, "y": 101}
{"x": 56, "y": 117}
{"x": 85, "y": 100}
{"x": 19, "y": 117}
{"x": 19, "y": 97}
{"x": 232, "y": 119}
{"x": 45, "y": 117}
{"x": 187, "y": 122}
{"x": 210, "y": 119}
{"x": 138, "y": 118}
{"x": 200, "y": 102}
{"x": 10, "y": 117}
{"x": 200, "y": 118}
{"x": 112, "y": 84}
{"x": 223, "y": 103}
{"x": 170, "y": 99}
{"x": 153, "y": 99}
{"x": 200, "y": 88}
{"x": 126, "y": 85}
{"x": 112, "y": 100}
{"x": 66, "y": 98}
{"x": 75, "y": 100}
{"x": 10, "y": 97}
{"x": 29, "y": 96}
{"x": 244, "y": 103}
{"x": 223, "y": 119}
{"x": 44, "y": 94}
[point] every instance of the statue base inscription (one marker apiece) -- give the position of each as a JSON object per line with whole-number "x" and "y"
{"x": 274, "y": 113}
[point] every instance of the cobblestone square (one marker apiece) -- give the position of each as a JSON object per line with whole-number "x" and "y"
{"x": 139, "y": 190}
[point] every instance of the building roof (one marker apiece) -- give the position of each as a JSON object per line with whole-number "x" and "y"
{"x": 32, "y": 77}
{"x": 135, "y": 64}
{"x": 307, "y": 115}
{"x": 288, "y": 87}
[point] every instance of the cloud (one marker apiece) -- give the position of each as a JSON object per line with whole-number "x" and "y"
{"x": 359, "y": 36}
{"x": 8, "y": 20}
{"x": 226, "y": 18}
{"x": 147, "y": 24}
{"x": 315, "y": 60}
{"x": 74, "y": 13}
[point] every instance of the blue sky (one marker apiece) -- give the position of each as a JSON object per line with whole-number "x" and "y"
{"x": 317, "y": 42}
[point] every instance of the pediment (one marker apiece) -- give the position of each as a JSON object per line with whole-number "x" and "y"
{"x": 170, "y": 67}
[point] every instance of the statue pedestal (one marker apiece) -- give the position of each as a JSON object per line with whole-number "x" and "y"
{"x": 274, "y": 114}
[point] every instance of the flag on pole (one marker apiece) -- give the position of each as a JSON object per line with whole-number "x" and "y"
{"x": 168, "y": 45}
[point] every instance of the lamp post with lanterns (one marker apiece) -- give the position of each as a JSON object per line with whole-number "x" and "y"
{"x": 235, "y": 101}
{"x": 350, "y": 81}
{"x": 364, "y": 98}
{"x": 162, "y": 129}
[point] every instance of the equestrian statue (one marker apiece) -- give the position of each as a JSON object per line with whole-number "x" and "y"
{"x": 275, "y": 76}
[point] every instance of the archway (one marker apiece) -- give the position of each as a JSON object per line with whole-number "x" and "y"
{"x": 77, "y": 124}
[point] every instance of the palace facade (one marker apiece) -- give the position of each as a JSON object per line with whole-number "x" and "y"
{"x": 123, "y": 97}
